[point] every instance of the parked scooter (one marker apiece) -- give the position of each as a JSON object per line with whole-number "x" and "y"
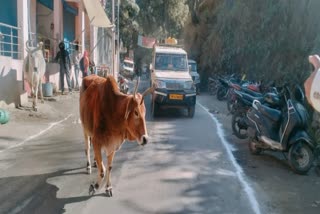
{"x": 242, "y": 104}
{"x": 283, "y": 130}
{"x": 123, "y": 84}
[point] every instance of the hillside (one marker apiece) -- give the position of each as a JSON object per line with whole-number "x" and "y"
{"x": 268, "y": 40}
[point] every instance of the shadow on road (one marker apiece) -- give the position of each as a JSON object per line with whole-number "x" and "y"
{"x": 34, "y": 194}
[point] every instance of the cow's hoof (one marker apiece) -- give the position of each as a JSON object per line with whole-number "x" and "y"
{"x": 109, "y": 192}
{"x": 94, "y": 164}
{"x": 35, "y": 109}
{"x": 89, "y": 170}
{"x": 92, "y": 190}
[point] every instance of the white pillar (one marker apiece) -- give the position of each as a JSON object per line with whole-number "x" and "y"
{"x": 23, "y": 24}
{"x": 58, "y": 24}
{"x": 33, "y": 19}
{"x": 80, "y": 22}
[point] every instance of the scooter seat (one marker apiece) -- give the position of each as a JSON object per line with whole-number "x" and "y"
{"x": 251, "y": 98}
{"x": 253, "y": 93}
{"x": 273, "y": 114}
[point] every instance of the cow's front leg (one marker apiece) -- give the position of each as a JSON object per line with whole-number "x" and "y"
{"x": 97, "y": 152}
{"x": 34, "y": 102}
{"x": 40, "y": 89}
{"x": 109, "y": 187}
{"x": 35, "y": 97}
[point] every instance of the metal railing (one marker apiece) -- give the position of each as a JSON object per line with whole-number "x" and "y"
{"x": 10, "y": 41}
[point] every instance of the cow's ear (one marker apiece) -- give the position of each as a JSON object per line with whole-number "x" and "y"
{"x": 129, "y": 108}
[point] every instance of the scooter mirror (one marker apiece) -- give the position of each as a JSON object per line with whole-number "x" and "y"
{"x": 298, "y": 94}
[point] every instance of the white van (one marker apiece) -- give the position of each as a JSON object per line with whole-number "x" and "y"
{"x": 194, "y": 74}
{"x": 174, "y": 87}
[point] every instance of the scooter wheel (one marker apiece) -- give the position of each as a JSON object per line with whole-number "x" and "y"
{"x": 300, "y": 157}
{"x": 239, "y": 127}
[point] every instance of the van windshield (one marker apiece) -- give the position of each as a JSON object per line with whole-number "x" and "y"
{"x": 172, "y": 62}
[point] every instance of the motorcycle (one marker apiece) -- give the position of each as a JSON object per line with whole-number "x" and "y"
{"x": 250, "y": 88}
{"x": 223, "y": 89}
{"x": 213, "y": 84}
{"x": 282, "y": 130}
{"x": 123, "y": 84}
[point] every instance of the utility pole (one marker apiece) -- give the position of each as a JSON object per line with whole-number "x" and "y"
{"x": 113, "y": 41}
{"x": 118, "y": 38}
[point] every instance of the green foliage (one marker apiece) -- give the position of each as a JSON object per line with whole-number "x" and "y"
{"x": 162, "y": 18}
{"x": 159, "y": 19}
{"x": 128, "y": 25}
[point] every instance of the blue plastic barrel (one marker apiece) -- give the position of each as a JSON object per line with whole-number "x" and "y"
{"x": 47, "y": 89}
{"x": 4, "y": 116}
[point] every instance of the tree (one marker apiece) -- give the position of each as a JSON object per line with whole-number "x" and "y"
{"x": 128, "y": 26}
{"x": 162, "y": 18}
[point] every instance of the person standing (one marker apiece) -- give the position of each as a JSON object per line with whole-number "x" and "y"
{"x": 84, "y": 64}
{"x": 63, "y": 58}
{"x": 76, "y": 63}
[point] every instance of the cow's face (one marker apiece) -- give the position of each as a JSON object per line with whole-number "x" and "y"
{"x": 34, "y": 56}
{"x": 136, "y": 122}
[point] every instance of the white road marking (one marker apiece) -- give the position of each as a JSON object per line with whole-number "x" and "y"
{"x": 20, "y": 207}
{"x": 239, "y": 172}
{"x": 37, "y": 135}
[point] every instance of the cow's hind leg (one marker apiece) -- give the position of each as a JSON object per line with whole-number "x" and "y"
{"x": 87, "y": 142}
{"x": 94, "y": 159}
{"x": 101, "y": 169}
{"x": 109, "y": 187}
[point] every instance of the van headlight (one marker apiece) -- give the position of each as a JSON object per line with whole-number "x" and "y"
{"x": 188, "y": 85}
{"x": 160, "y": 84}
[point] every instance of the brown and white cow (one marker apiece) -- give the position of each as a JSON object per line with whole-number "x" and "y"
{"x": 108, "y": 118}
{"x": 34, "y": 69}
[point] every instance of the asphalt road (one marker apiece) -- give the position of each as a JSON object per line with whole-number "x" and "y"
{"x": 188, "y": 167}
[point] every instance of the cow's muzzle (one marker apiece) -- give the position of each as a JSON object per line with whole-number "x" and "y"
{"x": 144, "y": 140}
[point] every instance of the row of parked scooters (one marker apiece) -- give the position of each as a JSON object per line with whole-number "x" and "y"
{"x": 272, "y": 118}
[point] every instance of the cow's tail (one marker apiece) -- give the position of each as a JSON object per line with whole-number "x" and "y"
{"x": 83, "y": 86}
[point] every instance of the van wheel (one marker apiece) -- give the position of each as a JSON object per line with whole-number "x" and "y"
{"x": 191, "y": 111}
{"x": 300, "y": 157}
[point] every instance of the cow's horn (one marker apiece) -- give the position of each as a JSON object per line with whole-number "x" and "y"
{"x": 27, "y": 45}
{"x": 146, "y": 92}
{"x": 136, "y": 88}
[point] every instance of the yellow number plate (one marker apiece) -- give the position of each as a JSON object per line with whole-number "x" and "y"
{"x": 175, "y": 96}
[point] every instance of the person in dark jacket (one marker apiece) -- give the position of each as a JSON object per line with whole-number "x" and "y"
{"x": 63, "y": 58}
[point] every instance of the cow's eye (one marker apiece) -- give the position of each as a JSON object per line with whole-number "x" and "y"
{"x": 136, "y": 113}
